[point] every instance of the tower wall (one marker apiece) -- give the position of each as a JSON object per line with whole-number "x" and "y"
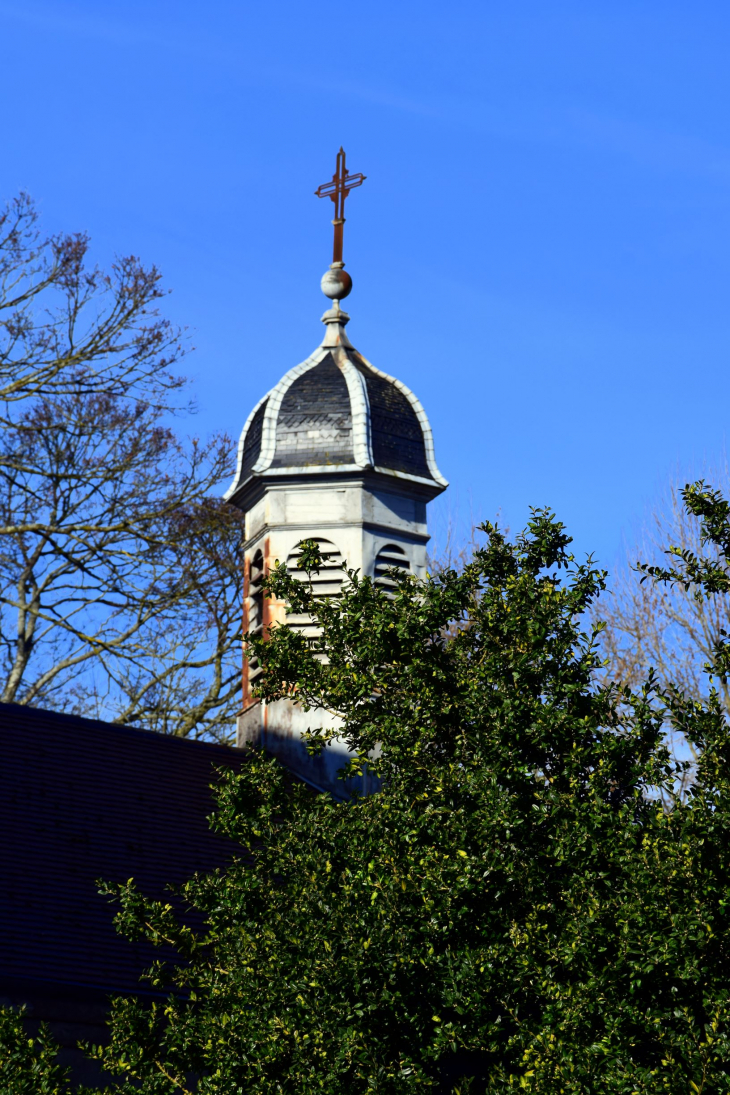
{"x": 342, "y": 453}
{"x": 365, "y": 524}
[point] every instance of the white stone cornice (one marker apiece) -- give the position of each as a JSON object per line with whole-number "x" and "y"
{"x": 321, "y": 469}
{"x": 271, "y": 414}
{"x": 241, "y": 445}
{"x": 268, "y": 426}
{"x": 360, "y": 409}
{"x": 423, "y": 422}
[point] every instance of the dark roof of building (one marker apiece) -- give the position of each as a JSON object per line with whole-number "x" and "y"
{"x": 83, "y": 800}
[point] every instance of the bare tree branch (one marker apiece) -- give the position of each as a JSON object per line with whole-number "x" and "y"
{"x": 119, "y": 572}
{"x": 652, "y": 624}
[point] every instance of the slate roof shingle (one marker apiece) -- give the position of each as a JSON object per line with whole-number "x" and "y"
{"x": 83, "y": 800}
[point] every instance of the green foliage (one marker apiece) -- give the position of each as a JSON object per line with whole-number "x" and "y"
{"x": 704, "y": 577}
{"x": 28, "y": 1064}
{"x": 516, "y": 909}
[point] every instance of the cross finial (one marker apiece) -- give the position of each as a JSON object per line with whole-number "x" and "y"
{"x": 338, "y": 189}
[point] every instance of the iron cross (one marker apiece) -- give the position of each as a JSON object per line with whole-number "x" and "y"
{"x": 338, "y": 188}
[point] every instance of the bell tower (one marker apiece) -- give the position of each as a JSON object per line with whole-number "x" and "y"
{"x": 337, "y": 452}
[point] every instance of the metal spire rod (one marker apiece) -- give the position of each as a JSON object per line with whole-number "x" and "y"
{"x": 338, "y": 189}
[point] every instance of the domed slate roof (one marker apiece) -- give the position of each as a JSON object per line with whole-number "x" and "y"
{"x": 337, "y": 413}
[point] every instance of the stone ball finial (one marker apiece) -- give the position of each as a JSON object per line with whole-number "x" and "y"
{"x": 336, "y": 283}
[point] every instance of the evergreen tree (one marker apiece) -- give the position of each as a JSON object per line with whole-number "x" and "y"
{"x": 526, "y": 903}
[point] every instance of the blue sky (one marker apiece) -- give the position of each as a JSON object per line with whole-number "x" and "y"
{"x": 540, "y": 249}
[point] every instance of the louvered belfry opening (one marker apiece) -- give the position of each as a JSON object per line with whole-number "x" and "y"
{"x": 255, "y": 609}
{"x": 326, "y": 582}
{"x": 340, "y": 453}
{"x": 388, "y": 557}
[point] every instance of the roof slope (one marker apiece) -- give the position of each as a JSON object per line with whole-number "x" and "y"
{"x": 82, "y": 800}
{"x": 337, "y": 413}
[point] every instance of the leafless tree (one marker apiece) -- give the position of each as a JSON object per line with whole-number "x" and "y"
{"x": 664, "y": 627}
{"x": 454, "y": 542}
{"x": 119, "y": 572}
{"x": 658, "y": 625}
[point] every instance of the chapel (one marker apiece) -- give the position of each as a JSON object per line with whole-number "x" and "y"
{"x": 340, "y": 453}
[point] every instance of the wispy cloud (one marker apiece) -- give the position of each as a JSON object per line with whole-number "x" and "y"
{"x": 554, "y": 123}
